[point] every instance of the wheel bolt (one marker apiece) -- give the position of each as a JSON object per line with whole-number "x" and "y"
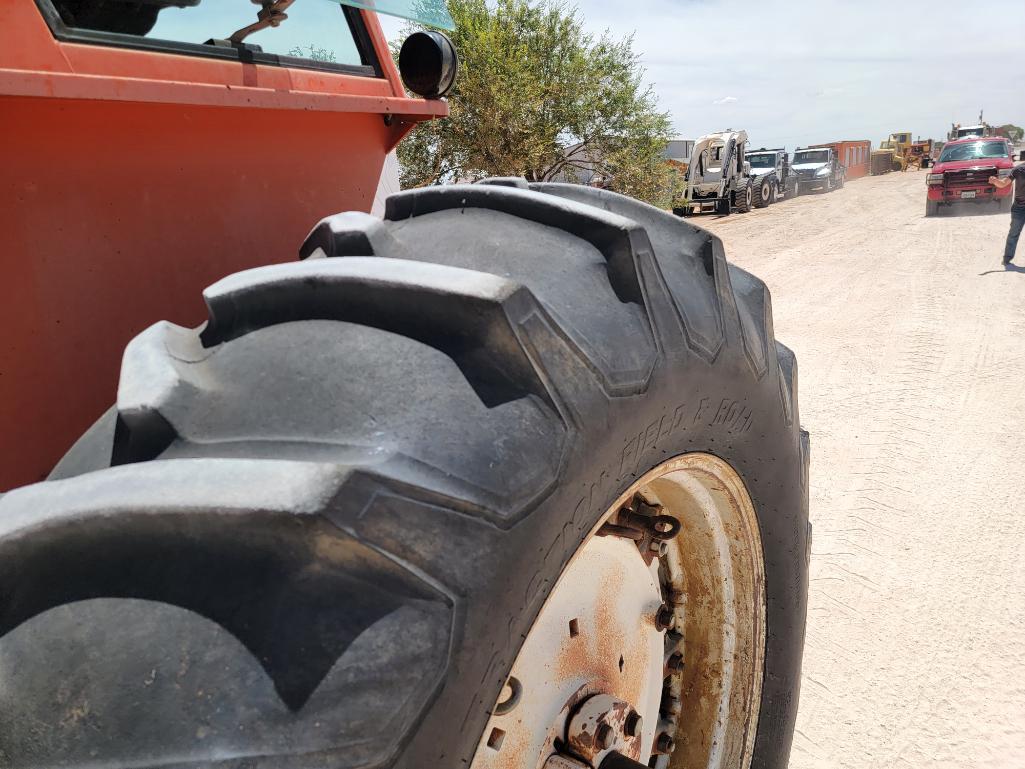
{"x": 665, "y": 618}
{"x": 675, "y": 662}
{"x": 670, "y": 705}
{"x": 604, "y": 736}
{"x": 633, "y": 723}
{"x": 664, "y": 743}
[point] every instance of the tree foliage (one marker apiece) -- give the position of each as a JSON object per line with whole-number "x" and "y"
{"x": 538, "y": 97}
{"x": 1011, "y": 131}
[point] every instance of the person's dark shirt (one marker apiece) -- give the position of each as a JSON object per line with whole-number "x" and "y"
{"x": 1018, "y": 174}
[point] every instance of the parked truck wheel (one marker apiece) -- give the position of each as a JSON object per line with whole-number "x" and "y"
{"x": 762, "y": 191}
{"x": 932, "y": 207}
{"x": 1006, "y": 203}
{"x": 743, "y": 197}
{"x": 504, "y": 450}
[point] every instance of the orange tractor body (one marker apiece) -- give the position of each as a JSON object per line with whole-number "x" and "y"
{"x": 126, "y": 174}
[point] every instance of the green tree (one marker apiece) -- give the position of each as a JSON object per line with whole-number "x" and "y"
{"x": 538, "y": 97}
{"x": 1011, "y": 131}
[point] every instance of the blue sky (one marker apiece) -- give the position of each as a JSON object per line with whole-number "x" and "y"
{"x": 795, "y": 72}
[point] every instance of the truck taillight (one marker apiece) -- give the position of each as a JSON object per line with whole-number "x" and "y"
{"x": 934, "y": 179}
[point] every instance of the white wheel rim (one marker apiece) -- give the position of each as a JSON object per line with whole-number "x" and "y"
{"x": 766, "y": 191}
{"x": 714, "y": 569}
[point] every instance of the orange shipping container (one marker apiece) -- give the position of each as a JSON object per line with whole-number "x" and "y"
{"x": 853, "y": 153}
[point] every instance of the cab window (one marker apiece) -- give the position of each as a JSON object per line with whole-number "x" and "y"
{"x": 317, "y": 34}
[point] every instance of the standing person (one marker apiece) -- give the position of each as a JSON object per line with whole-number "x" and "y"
{"x": 1017, "y": 208}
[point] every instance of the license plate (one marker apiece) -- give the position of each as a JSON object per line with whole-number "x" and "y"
{"x": 967, "y": 195}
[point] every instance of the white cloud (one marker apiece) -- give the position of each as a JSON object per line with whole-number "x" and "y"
{"x": 810, "y": 71}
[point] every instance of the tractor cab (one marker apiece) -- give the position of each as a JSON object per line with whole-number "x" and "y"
{"x": 150, "y": 133}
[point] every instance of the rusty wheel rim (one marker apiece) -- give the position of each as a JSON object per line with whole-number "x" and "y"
{"x": 666, "y": 632}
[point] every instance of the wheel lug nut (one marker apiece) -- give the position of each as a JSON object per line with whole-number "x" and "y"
{"x": 633, "y": 723}
{"x": 604, "y": 737}
{"x": 670, "y": 705}
{"x": 675, "y": 662}
{"x": 664, "y": 743}
{"x": 664, "y": 618}
{"x": 659, "y": 547}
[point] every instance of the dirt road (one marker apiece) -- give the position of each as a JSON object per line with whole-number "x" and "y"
{"x": 909, "y": 336}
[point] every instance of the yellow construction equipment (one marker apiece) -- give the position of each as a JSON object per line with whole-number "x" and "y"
{"x": 891, "y": 155}
{"x": 919, "y": 154}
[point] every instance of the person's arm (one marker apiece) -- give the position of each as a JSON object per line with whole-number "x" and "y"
{"x": 1016, "y": 172}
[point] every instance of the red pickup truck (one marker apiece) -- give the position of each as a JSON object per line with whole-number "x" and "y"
{"x": 963, "y": 170}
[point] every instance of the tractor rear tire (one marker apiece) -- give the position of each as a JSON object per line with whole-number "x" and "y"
{"x": 743, "y": 197}
{"x": 762, "y": 191}
{"x": 315, "y": 530}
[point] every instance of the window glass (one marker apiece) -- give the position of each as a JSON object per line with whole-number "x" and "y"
{"x": 974, "y": 151}
{"x": 812, "y": 156}
{"x": 315, "y": 30}
{"x": 433, "y": 13}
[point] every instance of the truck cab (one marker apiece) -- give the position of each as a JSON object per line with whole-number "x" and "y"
{"x": 962, "y": 172}
{"x": 980, "y": 131}
{"x": 817, "y": 168}
{"x": 772, "y": 166}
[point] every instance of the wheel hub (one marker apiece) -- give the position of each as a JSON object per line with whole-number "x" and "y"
{"x": 603, "y": 724}
{"x": 593, "y": 656}
{"x": 648, "y": 649}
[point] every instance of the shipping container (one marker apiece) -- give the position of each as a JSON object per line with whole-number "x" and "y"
{"x": 852, "y": 153}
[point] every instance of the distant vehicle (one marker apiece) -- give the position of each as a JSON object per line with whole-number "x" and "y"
{"x": 853, "y": 154}
{"x": 920, "y": 153}
{"x": 771, "y": 174}
{"x": 962, "y": 174}
{"x": 892, "y": 153}
{"x": 980, "y": 130}
{"x": 817, "y": 169}
{"x": 718, "y": 177}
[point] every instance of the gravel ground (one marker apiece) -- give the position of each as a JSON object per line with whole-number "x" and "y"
{"x": 909, "y": 337}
